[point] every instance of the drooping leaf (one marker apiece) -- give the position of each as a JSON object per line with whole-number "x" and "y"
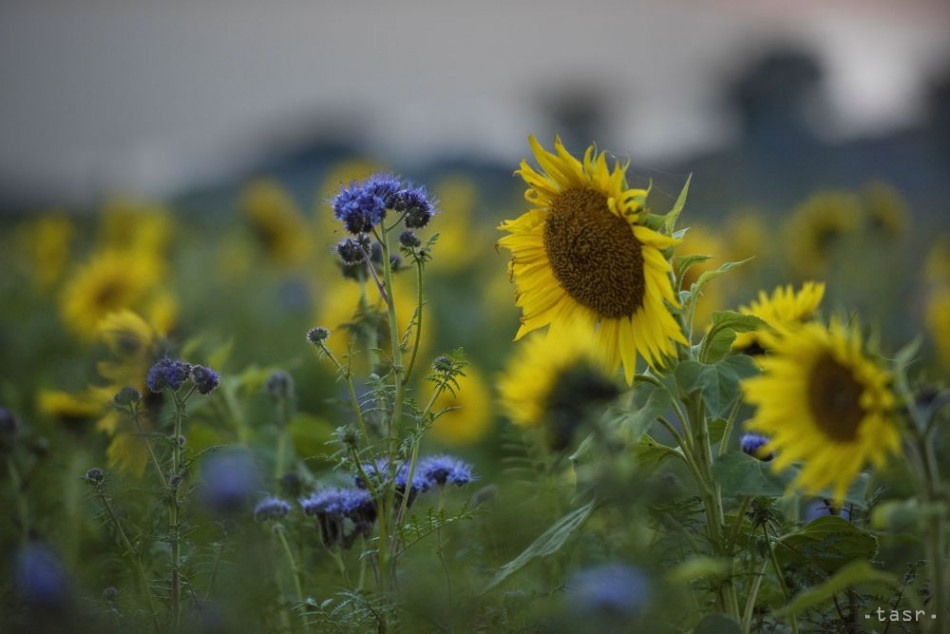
{"x": 548, "y": 543}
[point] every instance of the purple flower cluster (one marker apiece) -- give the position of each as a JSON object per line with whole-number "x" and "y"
{"x": 444, "y": 469}
{"x": 342, "y": 514}
{"x": 205, "y": 379}
{"x": 362, "y": 206}
{"x": 171, "y": 374}
{"x": 430, "y": 472}
{"x": 167, "y": 374}
{"x": 380, "y": 471}
{"x": 271, "y": 508}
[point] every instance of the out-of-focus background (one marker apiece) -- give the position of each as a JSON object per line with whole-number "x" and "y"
{"x": 163, "y": 98}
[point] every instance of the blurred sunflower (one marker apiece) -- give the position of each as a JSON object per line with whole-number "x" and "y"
{"x": 454, "y": 250}
{"x": 133, "y": 347}
{"x": 67, "y": 406}
{"x": 581, "y": 256}
{"x": 340, "y": 310}
{"x": 937, "y": 265}
{"x": 823, "y": 402}
{"x": 46, "y": 243}
{"x": 937, "y": 314}
{"x": 819, "y": 229}
{"x": 784, "y": 309}
{"x": 550, "y": 383}
{"x": 747, "y": 236}
{"x": 110, "y": 281}
{"x": 283, "y": 232}
{"x": 470, "y": 416}
{"x": 701, "y": 241}
{"x": 135, "y": 226}
{"x": 885, "y": 211}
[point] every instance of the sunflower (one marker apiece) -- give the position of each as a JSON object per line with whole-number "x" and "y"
{"x": 47, "y": 241}
{"x": 469, "y": 414}
{"x": 135, "y": 226}
{"x": 111, "y": 281}
{"x": 823, "y": 402}
{"x": 784, "y": 309}
{"x": 885, "y": 210}
{"x": 551, "y": 382}
{"x": 133, "y": 344}
{"x": 938, "y": 322}
{"x": 277, "y": 222}
{"x": 339, "y": 309}
{"x": 820, "y": 229}
{"x": 581, "y": 256}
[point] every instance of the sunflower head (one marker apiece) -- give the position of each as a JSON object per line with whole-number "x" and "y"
{"x": 823, "y": 402}
{"x": 582, "y": 255}
{"x": 553, "y": 382}
{"x": 783, "y": 309}
{"x": 466, "y": 409}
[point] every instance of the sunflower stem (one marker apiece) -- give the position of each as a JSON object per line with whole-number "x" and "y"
{"x": 711, "y": 496}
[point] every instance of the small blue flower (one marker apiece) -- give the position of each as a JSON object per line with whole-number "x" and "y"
{"x": 444, "y": 469}
{"x": 611, "y": 589}
{"x": 753, "y": 445}
{"x": 228, "y": 481}
{"x": 823, "y": 507}
{"x": 363, "y": 206}
{"x": 40, "y": 576}
{"x": 379, "y": 470}
{"x": 342, "y": 514}
{"x": 385, "y": 186}
{"x": 167, "y": 374}
{"x": 271, "y": 508}
{"x": 205, "y": 379}
{"x": 414, "y": 203}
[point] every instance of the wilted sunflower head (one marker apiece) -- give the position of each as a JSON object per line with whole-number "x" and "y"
{"x": 583, "y": 255}
{"x": 824, "y": 403}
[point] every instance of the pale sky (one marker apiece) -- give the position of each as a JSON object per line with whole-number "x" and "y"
{"x": 159, "y": 96}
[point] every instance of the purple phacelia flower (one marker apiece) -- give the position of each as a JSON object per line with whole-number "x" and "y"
{"x": 167, "y": 374}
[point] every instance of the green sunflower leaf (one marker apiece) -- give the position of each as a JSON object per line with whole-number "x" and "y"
{"x": 649, "y": 402}
{"x": 826, "y": 544}
{"x": 720, "y": 382}
{"x": 649, "y": 453}
{"x": 669, "y": 220}
{"x": 722, "y": 332}
{"x": 741, "y": 474}
{"x": 681, "y": 264}
{"x": 548, "y": 543}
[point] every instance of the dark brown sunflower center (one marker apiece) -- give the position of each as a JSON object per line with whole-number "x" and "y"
{"x": 109, "y": 294}
{"x": 834, "y": 398}
{"x": 594, "y": 254}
